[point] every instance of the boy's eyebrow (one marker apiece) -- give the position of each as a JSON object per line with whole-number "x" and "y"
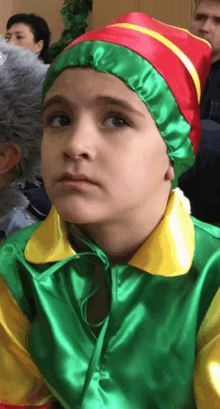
{"x": 57, "y": 99}
{"x": 118, "y": 102}
{"x": 100, "y": 98}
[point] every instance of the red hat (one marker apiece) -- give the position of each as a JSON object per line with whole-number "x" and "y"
{"x": 166, "y": 66}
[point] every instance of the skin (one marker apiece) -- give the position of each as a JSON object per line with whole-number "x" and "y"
{"x": 205, "y": 23}
{"x": 20, "y": 34}
{"x": 10, "y": 156}
{"x": 119, "y": 149}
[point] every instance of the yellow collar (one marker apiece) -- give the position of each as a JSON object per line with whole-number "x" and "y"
{"x": 168, "y": 251}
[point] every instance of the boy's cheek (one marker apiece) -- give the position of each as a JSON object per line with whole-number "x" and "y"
{"x": 47, "y": 151}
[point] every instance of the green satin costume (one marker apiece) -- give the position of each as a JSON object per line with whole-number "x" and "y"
{"x": 159, "y": 345}
{"x": 145, "y": 354}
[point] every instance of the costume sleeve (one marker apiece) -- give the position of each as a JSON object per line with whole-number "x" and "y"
{"x": 207, "y": 370}
{"x": 20, "y": 380}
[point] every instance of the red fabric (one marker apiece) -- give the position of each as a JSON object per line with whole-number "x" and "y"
{"x": 189, "y": 44}
{"x": 164, "y": 60}
{"x": 182, "y": 39}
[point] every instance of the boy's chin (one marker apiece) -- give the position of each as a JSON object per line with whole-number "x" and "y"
{"x": 77, "y": 215}
{"x": 77, "y": 218}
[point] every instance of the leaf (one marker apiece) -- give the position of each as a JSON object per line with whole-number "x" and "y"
{"x": 69, "y": 1}
{"x": 75, "y": 13}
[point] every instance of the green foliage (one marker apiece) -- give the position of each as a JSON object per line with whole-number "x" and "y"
{"x": 75, "y": 13}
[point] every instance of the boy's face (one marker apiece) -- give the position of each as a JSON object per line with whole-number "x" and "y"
{"x": 96, "y": 127}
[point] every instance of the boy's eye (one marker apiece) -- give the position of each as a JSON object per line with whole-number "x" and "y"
{"x": 116, "y": 121}
{"x": 59, "y": 120}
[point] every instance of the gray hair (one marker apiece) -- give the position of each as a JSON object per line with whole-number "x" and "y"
{"x": 22, "y": 75}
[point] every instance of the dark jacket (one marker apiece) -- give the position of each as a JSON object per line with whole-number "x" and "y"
{"x": 40, "y": 203}
{"x": 210, "y": 101}
{"x": 201, "y": 184}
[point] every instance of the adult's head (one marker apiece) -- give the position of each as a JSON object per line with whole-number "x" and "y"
{"x": 205, "y": 23}
{"x": 29, "y": 31}
{"x": 21, "y": 81}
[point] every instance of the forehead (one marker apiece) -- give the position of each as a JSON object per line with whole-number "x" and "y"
{"x": 209, "y": 8}
{"x": 87, "y": 83}
{"x": 19, "y": 27}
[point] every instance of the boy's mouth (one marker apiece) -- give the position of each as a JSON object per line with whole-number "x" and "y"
{"x": 68, "y": 177}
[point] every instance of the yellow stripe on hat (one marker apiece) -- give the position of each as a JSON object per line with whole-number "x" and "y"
{"x": 186, "y": 31}
{"x": 183, "y": 57}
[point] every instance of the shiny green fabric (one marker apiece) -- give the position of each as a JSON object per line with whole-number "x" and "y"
{"x": 142, "y": 78}
{"x": 144, "y": 356}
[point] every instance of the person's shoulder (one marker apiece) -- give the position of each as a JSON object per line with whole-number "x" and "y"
{"x": 18, "y": 219}
{"x": 17, "y": 241}
{"x": 15, "y": 272}
{"x": 206, "y": 229}
{"x": 207, "y": 242}
{"x": 206, "y": 257}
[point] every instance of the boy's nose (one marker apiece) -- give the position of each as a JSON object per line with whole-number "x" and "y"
{"x": 81, "y": 143}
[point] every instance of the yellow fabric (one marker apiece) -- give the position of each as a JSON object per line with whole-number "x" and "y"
{"x": 207, "y": 370}
{"x": 183, "y": 29}
{"x": 20, "y": 380}
{"x": 176, "y": 50}
{"x": 49, "y": 243}
{"x": 168, "y": 251}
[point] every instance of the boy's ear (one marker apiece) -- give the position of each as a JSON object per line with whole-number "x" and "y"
{"x": 10, "y": 156}
{"x": 170, "y": 173}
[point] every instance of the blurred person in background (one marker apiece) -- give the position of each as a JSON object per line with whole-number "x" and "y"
{"x": 31, "y": 32}
{"x": 21, "y": 81}
{"x": 205, "y": 23}
{"x": 200, "y": 184}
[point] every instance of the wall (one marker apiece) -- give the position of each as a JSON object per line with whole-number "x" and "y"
{"x": 106, "y": 10}
{"x": 7, "y": 9}
{"x": 173, "y": 12}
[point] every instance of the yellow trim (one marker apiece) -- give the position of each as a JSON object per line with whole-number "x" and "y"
{"x": 176, "y": 50}
{"x": 49, "y": 243}
{"x": 168, "y": 251}
{"x": 20, "y": 378}
{"x": 207, "y": 368}
{"x": 186, "y": 31}
{"x": 210, "y": 328}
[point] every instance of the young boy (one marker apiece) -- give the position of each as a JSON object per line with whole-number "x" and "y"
{"x": 118, "y": 288}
